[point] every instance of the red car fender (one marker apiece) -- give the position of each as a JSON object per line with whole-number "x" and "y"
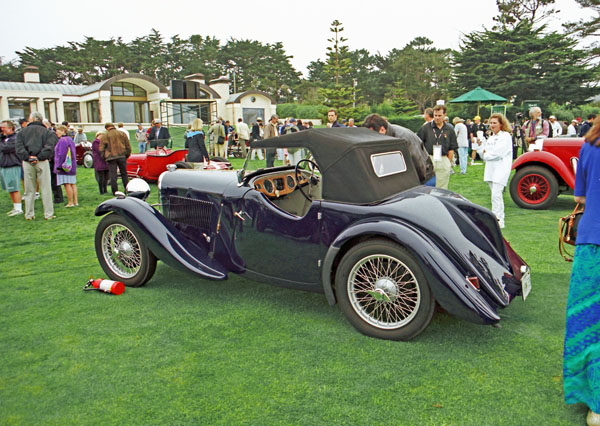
{"x": 549, "y": 160}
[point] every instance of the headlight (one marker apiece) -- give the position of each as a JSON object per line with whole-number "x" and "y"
{"x": 138, "y": 188}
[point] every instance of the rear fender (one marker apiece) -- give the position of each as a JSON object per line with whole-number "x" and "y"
{"x": 548, "y": 160}
{"x": 450, "y": 289}
{"x": 164, "y": 240}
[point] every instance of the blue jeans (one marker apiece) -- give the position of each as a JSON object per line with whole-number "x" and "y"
{"x": 463, "y": 159}
{"x": 143, "y": 146}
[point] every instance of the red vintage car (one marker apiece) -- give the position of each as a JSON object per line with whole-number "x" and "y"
{"x": 544, "y": 172}
{"x": 83, "y": 154}
{"x": 152, "y": 163}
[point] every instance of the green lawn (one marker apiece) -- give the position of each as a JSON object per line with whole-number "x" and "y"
{"x": 186, "y": 351}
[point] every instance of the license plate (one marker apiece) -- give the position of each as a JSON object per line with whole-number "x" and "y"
{"x": 526, "y": 283}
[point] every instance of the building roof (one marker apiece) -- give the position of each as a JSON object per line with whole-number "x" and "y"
{"x": 65, "y": 89}
{"x": 77, "y": 90}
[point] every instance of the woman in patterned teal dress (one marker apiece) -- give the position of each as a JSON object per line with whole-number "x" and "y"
{"x": 581, "y": 363}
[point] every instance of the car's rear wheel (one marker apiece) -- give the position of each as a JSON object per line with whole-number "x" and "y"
{"x": 534, "y": 187}
{"x": 383, "y": 291}
{"x": 183, "y": 165}
{"x": 88, "y": 160}
{"x": 122, "y": 254}
{"x": 219, "y": 159}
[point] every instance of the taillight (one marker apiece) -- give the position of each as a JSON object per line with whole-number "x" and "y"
{"x": 474, "y": 281}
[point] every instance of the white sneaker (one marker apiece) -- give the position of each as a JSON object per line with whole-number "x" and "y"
{"x": 10, "y": 212}
{"x": 15, "y": 212}
{"x": 37, "y": 195}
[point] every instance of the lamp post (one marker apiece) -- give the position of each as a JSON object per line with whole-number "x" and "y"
{"x": 354, "y": 84}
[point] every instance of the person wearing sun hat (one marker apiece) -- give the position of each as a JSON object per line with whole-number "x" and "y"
{"x": 555, "y": 125}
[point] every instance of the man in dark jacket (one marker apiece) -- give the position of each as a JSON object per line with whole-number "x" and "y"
{"x": 440, "y": 142}
{"x": 10, "y": 167}
{"x": 255, "y": 135}
{"x": 332, "y": 118}
{"x": 115, "y": 148}
{"x": 587, "y": 125}
{"x": 34, "y": 147}
{"x": 159, "y": 136}
{"x": 416, "y": 149}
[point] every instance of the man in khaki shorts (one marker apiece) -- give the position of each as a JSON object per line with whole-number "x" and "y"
{"x": 440, "y": 142}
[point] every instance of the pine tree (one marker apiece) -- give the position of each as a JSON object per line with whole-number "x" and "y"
{"x": 338, "y": 66}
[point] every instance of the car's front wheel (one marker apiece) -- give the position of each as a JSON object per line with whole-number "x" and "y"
{"x": 534, "y": 187}
{"x": 383, "y": 291}
{"x": 122, "y": 254}
{"x": 88, "y": 160}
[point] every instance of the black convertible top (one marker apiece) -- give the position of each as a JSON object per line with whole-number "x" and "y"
{"x": 344, "y": 157}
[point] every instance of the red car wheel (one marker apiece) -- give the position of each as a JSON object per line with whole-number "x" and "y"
{"x": 534, "y": 187}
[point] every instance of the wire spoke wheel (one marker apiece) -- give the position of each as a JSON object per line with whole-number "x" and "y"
{"x": 383, "y": 291}
{"x": 123, "y": 255}
{"x": 121, "y": 250}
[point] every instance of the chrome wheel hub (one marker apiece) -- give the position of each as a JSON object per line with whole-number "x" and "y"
{"x": 387, "y": 287}
{"x": 125, "y": 249}
{"x": 532, "y": 189}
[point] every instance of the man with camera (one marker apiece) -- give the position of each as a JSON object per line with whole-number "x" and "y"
{"x": 34, "y": 147}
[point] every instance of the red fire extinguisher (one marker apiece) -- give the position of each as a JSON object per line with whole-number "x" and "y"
{"x": 107, "y": 286}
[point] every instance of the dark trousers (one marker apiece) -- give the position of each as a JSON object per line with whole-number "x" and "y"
{"x": 270, "y": 154}
{"x": 121, "y": 163}
{"x": 57, "y": 193}
{"x": 102, "y": 179}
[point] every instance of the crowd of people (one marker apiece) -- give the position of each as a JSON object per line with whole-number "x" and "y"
{"x": 40, "y": 158}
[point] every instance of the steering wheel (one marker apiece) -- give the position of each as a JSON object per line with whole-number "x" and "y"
{"x": 312, "y": 179}
{"x": 161, "y": 148}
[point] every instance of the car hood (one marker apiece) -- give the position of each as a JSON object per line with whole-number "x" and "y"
{"x": 209, "y": 182}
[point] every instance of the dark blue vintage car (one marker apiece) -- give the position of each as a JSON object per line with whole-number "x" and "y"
{"x": 339, "y": 211}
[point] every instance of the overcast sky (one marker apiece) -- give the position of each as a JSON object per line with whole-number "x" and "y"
{"x": 302, "y": 27}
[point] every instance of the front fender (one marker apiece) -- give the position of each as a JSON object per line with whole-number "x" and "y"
{"x": 550, "y": 161}
{"x": 163, "y": 239}
{"x": 449, "y": 287}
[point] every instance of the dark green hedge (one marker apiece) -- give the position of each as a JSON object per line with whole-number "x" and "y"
{"x": 412, "y": 123}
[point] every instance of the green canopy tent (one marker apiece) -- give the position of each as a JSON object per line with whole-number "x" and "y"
{"x": 478, "y": 95}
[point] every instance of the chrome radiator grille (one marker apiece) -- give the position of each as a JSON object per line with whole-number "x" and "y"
{"x": 190, "y": 212}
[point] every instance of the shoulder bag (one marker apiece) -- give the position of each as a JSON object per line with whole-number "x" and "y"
{"x": 567, "y": 231}
{"x": 68, "y": 163}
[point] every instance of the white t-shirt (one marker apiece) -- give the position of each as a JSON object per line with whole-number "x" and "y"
{"x": 120, "y": 129}
{"x": 461, "y": 135}
{"x": 556, "y": 129}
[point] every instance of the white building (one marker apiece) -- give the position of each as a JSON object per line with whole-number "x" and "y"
{"x": 131, "y": 99}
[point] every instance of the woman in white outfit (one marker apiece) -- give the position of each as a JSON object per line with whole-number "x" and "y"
{"x": 496, "y": 151}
